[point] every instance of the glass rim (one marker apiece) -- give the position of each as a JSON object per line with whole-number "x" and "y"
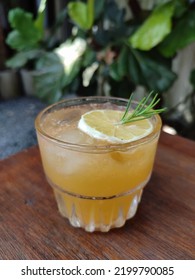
{"x": 92, "y": 147}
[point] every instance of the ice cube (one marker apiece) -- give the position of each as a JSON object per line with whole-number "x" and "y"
{"x": 68, "y": 117}
{"x": 75, "y": 137}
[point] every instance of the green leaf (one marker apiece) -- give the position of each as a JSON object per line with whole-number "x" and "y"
{"x": 181, "y": 36}
{"x": 113, "y": 13}
{"x": 181, "y": 7}
{"x": 25, "y": 35}
{"x": 98, "y": 8}
{"x": 89, "y": 57}
{"x": 155, "y": 28}
{"x": 149, "y": 72}
{"x": 192, "y": 78}
{"x": 49, "y": 77}
{"x": 39, "y": 22}
{"x": 68, "y": 79}
{"x": 90, "y": 13}
{"x": 82, "y": 14}
{"x": 20, "y": 59}
{"x": 20, "y": 42}
{"x": 119, "y": 68}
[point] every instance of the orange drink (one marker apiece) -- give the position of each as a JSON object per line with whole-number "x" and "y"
{"x": 96, "y": 166}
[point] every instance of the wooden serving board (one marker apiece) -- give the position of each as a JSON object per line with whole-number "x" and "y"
{"x": 163, "y": 228}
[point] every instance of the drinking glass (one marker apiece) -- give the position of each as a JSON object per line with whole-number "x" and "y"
{"x": 97, "y": 185}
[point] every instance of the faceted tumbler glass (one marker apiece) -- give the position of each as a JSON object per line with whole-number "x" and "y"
{"x": 96, "y": 186}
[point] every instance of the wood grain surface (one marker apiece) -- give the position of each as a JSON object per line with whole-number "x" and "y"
{"x": 163, "y": 228}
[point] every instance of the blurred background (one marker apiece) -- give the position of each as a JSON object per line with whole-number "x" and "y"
{"x": 51, "y": 50}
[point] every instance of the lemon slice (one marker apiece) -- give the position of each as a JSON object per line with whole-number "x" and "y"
{"x": 105, "y": 125}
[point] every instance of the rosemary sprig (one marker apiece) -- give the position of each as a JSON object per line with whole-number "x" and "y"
{"x": 143, "y": 110}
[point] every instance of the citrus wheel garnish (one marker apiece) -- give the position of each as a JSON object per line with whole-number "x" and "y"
{"x": 106, "y": 125}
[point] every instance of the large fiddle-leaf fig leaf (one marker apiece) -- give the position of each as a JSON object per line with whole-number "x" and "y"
{"x": 155, "y": 28}
{"x": 181, "y": 36}
{"x": 25, "y": 34}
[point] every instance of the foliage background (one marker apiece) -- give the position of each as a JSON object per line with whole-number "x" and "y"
{"x": 113, "y": 48}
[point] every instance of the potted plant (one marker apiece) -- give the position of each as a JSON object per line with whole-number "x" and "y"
{"x": 26, "y": 39}
{"x": 29, "y": 41}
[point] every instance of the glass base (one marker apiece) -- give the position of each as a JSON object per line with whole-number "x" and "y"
{"x": 98, "y": 220}
{"x": 98, "y": 213}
